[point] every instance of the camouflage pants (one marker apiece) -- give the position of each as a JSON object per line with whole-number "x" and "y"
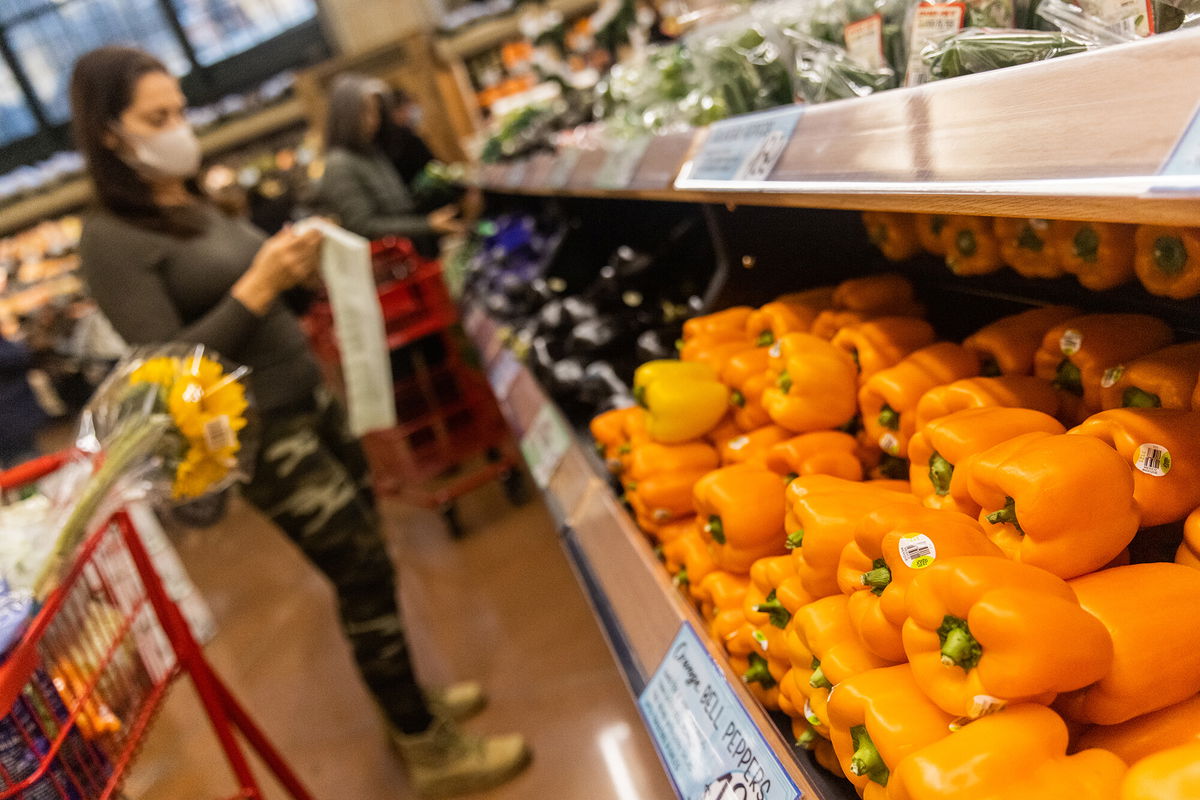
{"x": 311, "y": 479}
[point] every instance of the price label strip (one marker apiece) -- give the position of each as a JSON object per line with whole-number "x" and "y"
{"x": 545, "y": 444}
{"x": 564, "y": 165}
{"x": 621, "y": 163}
{"x": 516, "y": 174}
{"x": 503, "y": 373}
{"x": 741, "y": 150}
{"x": 711, "y": 748}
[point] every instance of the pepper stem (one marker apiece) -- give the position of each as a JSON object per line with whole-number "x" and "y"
{"x": 681, "y": 577}
{"x": 765, "y": 339}
{"x": 990, "y": 368}
{"x": 784, "y": 382}
{"x": 806, "y": 740}
{"x": 889, "y": 418}
{"x": 1087, "y": 244}
{"x": 1006, "y": 514}
{"x": 1069, "y": 378}
{"x": 1028, "y": 239}
{"x": 1137, "y": 398}
{"x": 716, "y": 529}
{"x": 893, "y": 467}
{"x": 759, "y": 672}
{"x": 737, "y": 399}
{"x": 959, "y": 647}
{"x": 940, "y": 473}
{"x": 866, "y": 759}
{"x": 879, "y": 577}
{"x": 639, "y": 395}
{"x": 1170, "y": 254}
{"x": 778, "y": 615}
{"x": 818, "y": 680}
{"x": 795, "y": 540}
{"x": 966, "y": 243}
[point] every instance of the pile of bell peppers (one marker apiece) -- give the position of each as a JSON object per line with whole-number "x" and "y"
{"x": 920, "y": 551}
{"x": 1100, "y": 255}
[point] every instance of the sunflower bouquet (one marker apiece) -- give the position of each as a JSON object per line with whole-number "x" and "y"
{"x": 172, "y": 419}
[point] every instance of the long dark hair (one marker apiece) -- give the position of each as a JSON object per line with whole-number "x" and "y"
{"x": 102, "y": 87}
{"x": 348, "y": 96}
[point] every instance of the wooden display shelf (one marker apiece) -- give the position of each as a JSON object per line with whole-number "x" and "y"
{"x": 76, "y": 193}
{"x": 1081, "y": 137}
{"x": 637, "y": 606}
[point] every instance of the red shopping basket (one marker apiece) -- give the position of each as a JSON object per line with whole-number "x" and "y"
{"x": 83, "y": 684}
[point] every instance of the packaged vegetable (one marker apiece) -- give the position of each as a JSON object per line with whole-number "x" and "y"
{"x": 976, "y": 50}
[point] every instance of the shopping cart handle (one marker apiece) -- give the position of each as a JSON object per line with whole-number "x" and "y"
{"x": 31, "y": 471}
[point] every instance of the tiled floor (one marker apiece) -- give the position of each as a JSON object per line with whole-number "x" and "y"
{"x": 500, "y": 605}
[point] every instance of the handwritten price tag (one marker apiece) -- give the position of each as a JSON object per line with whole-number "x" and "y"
{"x": 745, "y": 148}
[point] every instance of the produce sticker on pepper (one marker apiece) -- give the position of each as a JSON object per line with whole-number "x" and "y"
{"x": 711, "y": 748}
{"x": 744, "y": 148}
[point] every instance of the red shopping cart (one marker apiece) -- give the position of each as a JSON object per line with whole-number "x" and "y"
{"x": 450, "y": 438}
{"x": 84, "y": 682}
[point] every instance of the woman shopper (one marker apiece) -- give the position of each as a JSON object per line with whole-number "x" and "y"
{"x": 361, "y": 187}
{"x": 165, "y": 266}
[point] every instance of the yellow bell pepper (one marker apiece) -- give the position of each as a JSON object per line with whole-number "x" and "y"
{"x": 683, "y": 400}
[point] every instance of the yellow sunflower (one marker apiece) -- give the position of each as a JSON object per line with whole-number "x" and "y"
{"x": 201, "y": 396}
{"x": 200, "y": 470}
{"x": 161, "y": 371}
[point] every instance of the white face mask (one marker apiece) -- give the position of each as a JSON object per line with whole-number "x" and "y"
{"x": 171, "y": 154}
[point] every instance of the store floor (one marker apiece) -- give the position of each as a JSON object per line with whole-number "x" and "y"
{"x": 500, "y": 605}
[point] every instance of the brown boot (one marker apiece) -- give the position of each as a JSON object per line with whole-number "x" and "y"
{"x": 445, "y": 761}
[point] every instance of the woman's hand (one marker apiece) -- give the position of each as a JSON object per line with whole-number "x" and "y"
{"x": 286, "y": 260}
{"x": 445, "y": 221}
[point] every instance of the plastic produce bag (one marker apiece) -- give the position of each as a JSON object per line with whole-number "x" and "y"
{"x": 744, "y": 63}
{"x": 980, "y": 50}
{"x": 826, "y": 72}
{"x": 1078, "y": 21}
{"x": 875, "y": 35}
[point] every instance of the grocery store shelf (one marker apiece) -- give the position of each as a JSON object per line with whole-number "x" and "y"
{"x": 492, "y": 33}
{"x": 635, "y": 603}
{"x": 1072, "y": 138}
{"x": 77, "y": 193}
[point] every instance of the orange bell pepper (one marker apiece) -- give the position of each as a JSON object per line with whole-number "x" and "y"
{"x": 1019, "y": 754}
{"x": 811, "y": 384}
{"x": 937, "y": 449}
{"x": 649, "y": 459}
{"x": 662, "y": 498}
{"x": 1189, "y": 551}
{"x": 763, "y": 606}
{"x": 753, "y": 447}
{"x": 1170, "y": 775}
{"x": 886, "y": 294}
{"x": 894, "y": 234}
{"x": 1027, "y": 245}
{"x": 742, "y": 510}
{"x": 971, "y": 246}
{"x": 929, "y": 232}
{"x": 720, "y": 592}
{"x": 1161, "y": 446}
{"x": 819, "y": 297}
{"x": 687, "y": 559}
{"x": 608, "y": 432}
{"x": 819, "y": 453}
{"x": 1015, "y": 391}
{"x": 877, "y": 719}
{"x": 1167, "y": 260}
{"x": 828, "y": 323}
{"x": 888, "y": 399}
{"x": 825, "y": 511}
{"x": 1148, "y": 734}
{"x": 880, "y": 343}
{"x": 1008, "y": 345}
{"x": 984, "y": 632}
{"x": 824, "y": 628}
{"x": 713, "y": 352}
{"x": 1077, "y": 353}
{"x": 1163, "y": 379}
{"x": 670, "y": 531}
{"x": 891, "y": 546}
{"x": 1098, "y": 254}
{"x": 723, "y": 434}
{"x": 1150, "y": 610}
{"x": 800, "y": 697}
{"x": 1062, "y": 503}
{"x": 728, "y": 322}
{"x": 772, "y": 321}
{"x": 745, "y": 373}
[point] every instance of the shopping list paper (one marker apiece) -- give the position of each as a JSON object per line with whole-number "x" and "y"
{"x": 709, "y": 744}
{"x": 358, "y": 322}
{"x": 744, "y": 148}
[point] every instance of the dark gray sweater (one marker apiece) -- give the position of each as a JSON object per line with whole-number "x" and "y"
{"x": 367, "y": 196}
{"x": 157, "y": 288}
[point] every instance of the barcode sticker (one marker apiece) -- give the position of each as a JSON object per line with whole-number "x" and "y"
{"x": 812, "y": 718}
{"x": 1070, "y": 342}
{"x": 218, "y": 434}
{"x": 775, "y": 351}
{"x": 1153, "y": 459}
{"x": 889, "y": 444}
{"x": 917, "y": 551}
{"x": 1111, "y": 376}
{"x": 738, "y": 443}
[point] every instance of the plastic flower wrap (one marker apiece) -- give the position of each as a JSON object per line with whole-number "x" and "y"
{"x": 171, "y": 419}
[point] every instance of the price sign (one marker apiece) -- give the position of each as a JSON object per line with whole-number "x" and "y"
{"x": 745, "y": 148}
{"x": 502, "y": 373}
{"x": 621, "y": 163}
{"x": 709, "y": 744}
{"x": 564, "y": 165}
{"x": 545, "y": 444}
{"x": 516, "y": 174}
{"x": 1185, "y": 158}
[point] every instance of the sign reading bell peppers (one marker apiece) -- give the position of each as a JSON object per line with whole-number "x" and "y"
{"x": 709, "y": 744}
